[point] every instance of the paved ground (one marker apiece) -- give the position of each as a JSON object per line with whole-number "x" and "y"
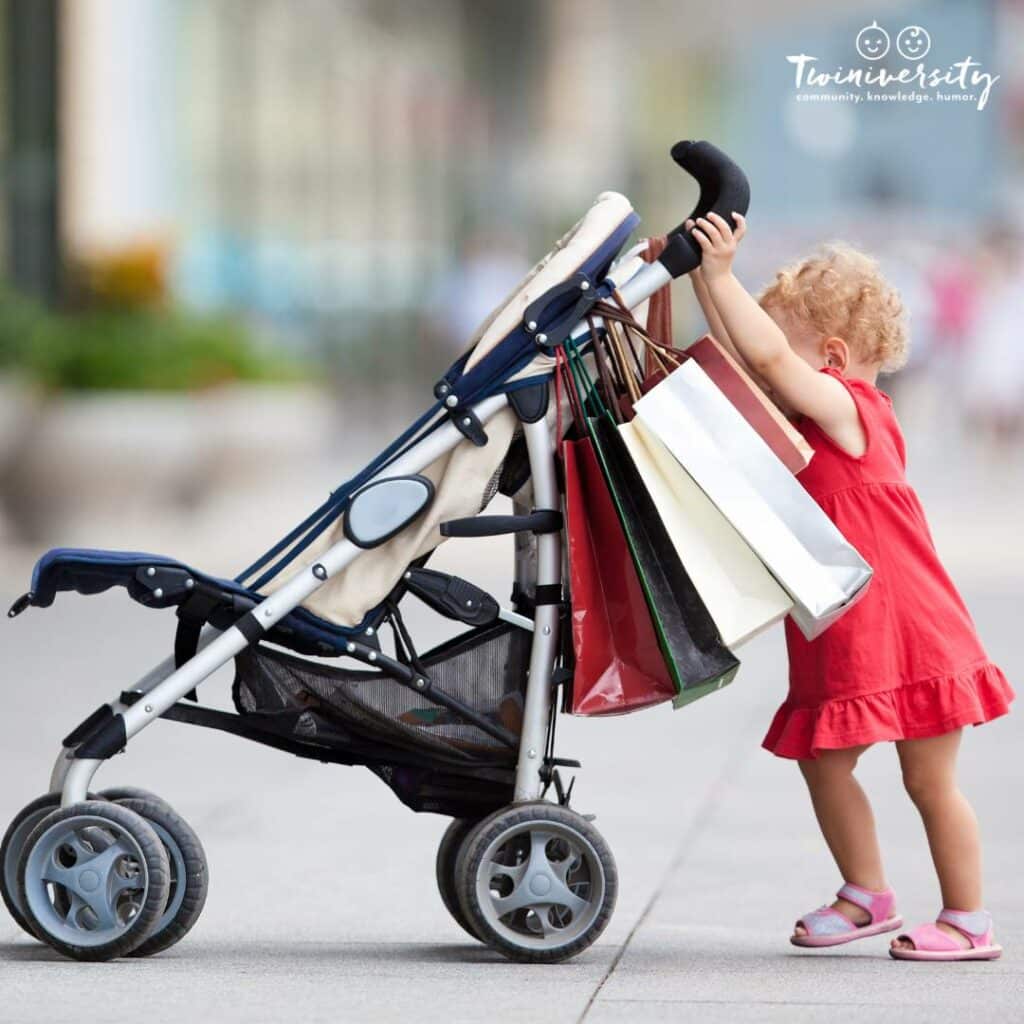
{"x": 323, "y": 906}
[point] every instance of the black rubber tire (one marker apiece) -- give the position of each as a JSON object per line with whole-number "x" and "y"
{"x": 119, "y": 793}
{"x": 48, "y": 802}
{"x": 157, "y": 870}
{"x": 471, "y": 854}
{"x": 197, "y": 877}
{"x": 444, "y": 869}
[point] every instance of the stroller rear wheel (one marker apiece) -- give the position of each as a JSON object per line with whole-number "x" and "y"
{"x": 189, "y": 876}
{"x": 447, "y": 854}
{"x": 537, "y": 882}
{"x": 93, "y": 879}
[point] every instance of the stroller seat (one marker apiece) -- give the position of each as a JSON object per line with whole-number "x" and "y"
{"x": 157, "y": 581}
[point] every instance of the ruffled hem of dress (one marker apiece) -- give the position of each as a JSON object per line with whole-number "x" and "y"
{"x": 912, "y": 711}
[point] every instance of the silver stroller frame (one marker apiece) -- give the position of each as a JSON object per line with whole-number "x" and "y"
{"x": 163, "y": 686}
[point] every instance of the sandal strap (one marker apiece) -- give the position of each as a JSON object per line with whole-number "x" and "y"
{"x": 973, "y": 925}
{"x": 826, "y": 921}
{"x": 878, "y": 904}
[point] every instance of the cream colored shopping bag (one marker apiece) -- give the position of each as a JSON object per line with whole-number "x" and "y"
{"x": 802, "y": 548}
{"x": 738, "y": 591}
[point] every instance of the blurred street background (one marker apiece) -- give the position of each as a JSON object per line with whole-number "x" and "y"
{"x": 240, "y": 240}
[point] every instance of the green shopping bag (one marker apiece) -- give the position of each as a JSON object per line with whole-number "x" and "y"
{"x": 696, "y": 657}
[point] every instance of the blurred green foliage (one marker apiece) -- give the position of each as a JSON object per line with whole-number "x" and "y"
{"x": 131, "y": 348}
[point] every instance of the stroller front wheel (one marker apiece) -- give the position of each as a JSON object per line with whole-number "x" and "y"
{"x": 93, "y": 879}
{"x": 537, "y": 881}
{"x": 13, "y": 843}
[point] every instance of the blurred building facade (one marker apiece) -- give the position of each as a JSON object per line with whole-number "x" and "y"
{"x": 320, "y": 164}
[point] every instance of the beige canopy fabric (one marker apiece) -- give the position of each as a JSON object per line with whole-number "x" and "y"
{"x": 465, "y": 478}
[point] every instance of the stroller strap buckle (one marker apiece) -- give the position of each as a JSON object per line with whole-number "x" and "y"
{"x": 551, "y": 335}
{"x": 468, "y": 424}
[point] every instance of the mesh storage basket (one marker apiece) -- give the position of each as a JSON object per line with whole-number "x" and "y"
{"x": 484, "y": 668}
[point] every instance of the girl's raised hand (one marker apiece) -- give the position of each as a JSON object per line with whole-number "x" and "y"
{"x": 718, "y": 242}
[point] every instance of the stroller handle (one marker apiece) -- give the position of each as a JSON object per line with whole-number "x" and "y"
{"x": 724, "y": 190}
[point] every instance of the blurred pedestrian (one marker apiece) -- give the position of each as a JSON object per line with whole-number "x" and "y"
{"x": 993, "y": 384}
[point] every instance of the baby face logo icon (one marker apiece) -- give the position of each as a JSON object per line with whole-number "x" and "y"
{"x": 873, "y": 41}
{"x": 913, "y": 42}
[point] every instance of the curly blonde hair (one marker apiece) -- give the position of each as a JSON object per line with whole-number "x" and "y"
{"x": 840, "y": 291}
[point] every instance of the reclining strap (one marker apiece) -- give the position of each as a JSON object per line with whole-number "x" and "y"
{"x": 193, "y": 613}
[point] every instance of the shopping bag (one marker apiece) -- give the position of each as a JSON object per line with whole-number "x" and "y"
{"x": 698, "y": 660}
{"x": 802, "y": 548}
{"x": 740, "y": 594}
{"x": 757, "y": 408}
{"x": 694, "y": 652}
{"x": 619, "y": 666}
{"x": 658, "y": 322}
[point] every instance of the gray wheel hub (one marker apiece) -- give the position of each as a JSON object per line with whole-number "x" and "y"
{"x": 540, "y": 885}
{"x": 86, "y": 880}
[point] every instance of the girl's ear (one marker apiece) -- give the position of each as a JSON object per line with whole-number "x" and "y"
{"x": 837, "y": 354}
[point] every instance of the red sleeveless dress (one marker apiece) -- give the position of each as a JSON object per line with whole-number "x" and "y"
{"x": 905, "y": 662}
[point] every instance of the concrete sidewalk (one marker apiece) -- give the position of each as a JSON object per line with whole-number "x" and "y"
{"x": 323, "y": 906}
{"x": 710, "y": 946}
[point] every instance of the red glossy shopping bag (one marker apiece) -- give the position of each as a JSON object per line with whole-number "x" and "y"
{"x": 619, "y": 665}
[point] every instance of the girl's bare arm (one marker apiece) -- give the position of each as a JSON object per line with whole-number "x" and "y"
{"x": 762, "y": 344}
{"x": 713, "y": 320}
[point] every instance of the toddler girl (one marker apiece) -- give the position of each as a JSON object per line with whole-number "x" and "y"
{"x": 905, "y": 663}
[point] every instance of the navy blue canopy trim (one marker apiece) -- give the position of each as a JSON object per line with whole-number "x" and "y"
{"x": 87, "y": 571}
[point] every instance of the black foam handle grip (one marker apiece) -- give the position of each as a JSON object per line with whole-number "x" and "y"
{"x": 724, "y": 190}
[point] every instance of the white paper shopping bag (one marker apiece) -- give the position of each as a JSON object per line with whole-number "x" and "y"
{"x": 739, "y": 593}
{"x": 819, "y": 569}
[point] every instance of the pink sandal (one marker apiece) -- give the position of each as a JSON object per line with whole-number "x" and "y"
{"x": 932, "y": 943}
{"x": 830, "y": 927}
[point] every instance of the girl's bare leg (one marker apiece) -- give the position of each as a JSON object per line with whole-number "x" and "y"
{"x": 929, "y": 775}
{"x": 847, "y": 823}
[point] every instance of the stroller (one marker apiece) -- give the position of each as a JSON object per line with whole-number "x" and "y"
{"x": 465, "y": 730}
